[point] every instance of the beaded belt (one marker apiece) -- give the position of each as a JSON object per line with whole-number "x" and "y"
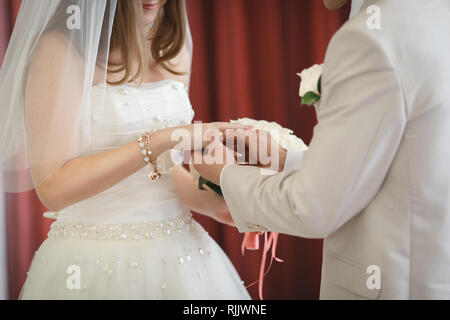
{"x": 121, "y": 231}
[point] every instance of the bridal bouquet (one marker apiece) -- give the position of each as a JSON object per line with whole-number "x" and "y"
{"x": 287, "y": 140}
{"x": 283, "y": 136}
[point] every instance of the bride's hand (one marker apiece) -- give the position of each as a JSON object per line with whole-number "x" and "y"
{"x": 198, "y": 135}
{"x": 207, "y": 203}
{"x": 222, "y": 213}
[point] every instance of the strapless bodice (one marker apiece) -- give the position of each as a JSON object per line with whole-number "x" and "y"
{"x": 128, "y": 111}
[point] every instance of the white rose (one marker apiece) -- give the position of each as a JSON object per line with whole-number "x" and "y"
{"x": 292, "y": 142}
{"x": 283, "y": 136}
{"x": 310, "y": 79}
{"x": 246, "y": 122}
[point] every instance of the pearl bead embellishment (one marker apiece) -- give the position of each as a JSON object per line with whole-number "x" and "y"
{"x": 121, "y": 232}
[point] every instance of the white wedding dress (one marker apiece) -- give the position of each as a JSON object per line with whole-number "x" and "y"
{"x": 135, "y": 240}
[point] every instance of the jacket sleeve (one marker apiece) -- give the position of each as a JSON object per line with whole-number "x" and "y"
{"x": 362, "y": 119}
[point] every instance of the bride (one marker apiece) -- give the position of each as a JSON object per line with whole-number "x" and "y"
{"x": 92, "y": 92}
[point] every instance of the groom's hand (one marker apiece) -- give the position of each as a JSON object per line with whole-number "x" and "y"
{"x": 257, "y": 148}
{"x": 212, "y": 160}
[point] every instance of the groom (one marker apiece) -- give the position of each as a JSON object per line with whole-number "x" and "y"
{"x": 375, "y": 182}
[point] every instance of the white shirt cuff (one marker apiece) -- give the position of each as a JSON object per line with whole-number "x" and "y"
{"x": 293, "y": 160}
{"x": 240, "y": 224}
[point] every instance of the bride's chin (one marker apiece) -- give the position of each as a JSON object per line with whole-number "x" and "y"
{"x": 150, "y": 17}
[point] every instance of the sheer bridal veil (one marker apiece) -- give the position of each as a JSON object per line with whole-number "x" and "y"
{"x": 56, "y": 49}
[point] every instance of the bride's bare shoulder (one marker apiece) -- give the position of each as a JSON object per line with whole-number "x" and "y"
{"x": 54, "y": 46}
{"x": 182, "y": 64}
{"x": 184, "y": 58}
{"x": 54, "y": 60}
{"x": 52, "y": 40}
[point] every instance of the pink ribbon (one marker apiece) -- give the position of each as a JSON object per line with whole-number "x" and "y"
{"x": 251, "y": 242}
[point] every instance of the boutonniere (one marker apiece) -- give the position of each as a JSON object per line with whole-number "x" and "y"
{"x": 311, "y": 84}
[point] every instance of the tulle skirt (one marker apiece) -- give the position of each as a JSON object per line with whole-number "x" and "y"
{"x": 189, "y": 265}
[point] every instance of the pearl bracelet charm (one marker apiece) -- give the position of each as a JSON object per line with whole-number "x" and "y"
{"x": 144, "y": 144}
{"x": 144, "y": 150}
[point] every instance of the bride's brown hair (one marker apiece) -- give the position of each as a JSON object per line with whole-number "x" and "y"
{"x": 167, "y": 38}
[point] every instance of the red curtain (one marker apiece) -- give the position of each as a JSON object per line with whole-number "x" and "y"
{"x": 246, "y": 56}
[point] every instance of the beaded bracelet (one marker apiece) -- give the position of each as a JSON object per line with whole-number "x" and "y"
{"x": 144, "y": 144}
